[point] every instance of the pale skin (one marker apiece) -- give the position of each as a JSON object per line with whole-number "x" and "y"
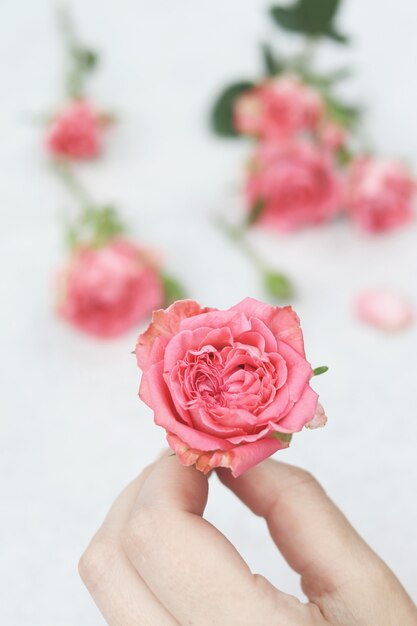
{"x": 156, "y": 562}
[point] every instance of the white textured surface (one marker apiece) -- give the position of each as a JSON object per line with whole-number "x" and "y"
{"x": 72, "y": 430}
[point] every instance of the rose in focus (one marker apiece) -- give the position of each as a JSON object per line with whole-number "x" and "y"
{"x": 279, "y": 108}
{"x": 106, "y": 291}
{"x": 296, "y": 183}
{"x": 76, "y": 132}
{"x": 229, "y": 387}
{"x": 380, "y": 194}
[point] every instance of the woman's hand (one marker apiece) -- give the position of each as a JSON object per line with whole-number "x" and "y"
{"x": 156, "y": 562}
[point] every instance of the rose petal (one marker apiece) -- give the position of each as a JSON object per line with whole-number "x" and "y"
{"x": 238, "y": 460}
{"x": 300, "y": 414}
{"x": 166, "y": 415}
{"x": 384, "y": 309}
{"x": 319, "y": 420}
{"x": 165, "y": 324}
{"x": 282, "y": 322}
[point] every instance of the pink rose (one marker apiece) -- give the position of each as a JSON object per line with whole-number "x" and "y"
{"x": 384, "y": 309}
{"x": 248, "y": 113}
{"x": 229, "y": 387}
{"x": 297, "y": 184}
{"x": 279, "y": 108}
{"x": 106, "y": 291}
{"x": 380, "y": 195}
{"x": 75, "y": 132}
{"x": 333, "y": 136}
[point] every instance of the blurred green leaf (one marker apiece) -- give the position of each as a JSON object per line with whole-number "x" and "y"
{"x": 344, "y": 114}
{"x": 313, "y": 18}
{"x": 173, "y": 290}
{"x": 86, "y": 58}
{"x": 317, "y": 15}
{"x": 272, "y": 64}
{"x": 222, "y": 115}
{"x": 277, "y": 285}
{"x": 287, "y": 18}
{"x": 285, "y": 437}
{"x": 318, "y": 371}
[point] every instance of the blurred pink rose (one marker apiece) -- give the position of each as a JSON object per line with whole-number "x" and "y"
{"x": 248, "y": 113}
{"x": 297, "y": 183}
{"x": 384, "y": 309}
{"x": 106, "y": 291}
{"x": 380, "y": 194}
{"x": 279, "y": 108}
{"x": 229, "y": 387}
{"x": 333, "y": 136}
{"x": 75, "y": 132}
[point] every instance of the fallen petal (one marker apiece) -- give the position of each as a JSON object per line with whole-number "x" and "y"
{"x": 384, "y": 309}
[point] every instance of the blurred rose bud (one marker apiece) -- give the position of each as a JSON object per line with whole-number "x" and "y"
{"x": 76, "y": 132}
{"x": 297, "y": 184}
{"x": 333, "y": 136}
{"x": 279, "y": 108}
{"x": 380, "y": 194}
{"x": 106, "y": 291}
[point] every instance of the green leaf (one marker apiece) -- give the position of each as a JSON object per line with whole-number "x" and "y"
{"x": 310, "y": 17}
{"x": 272, "y": 64}
{"x": 285, "y": 437}
{"x": 278, "y": 285}
{"x": 336, "y": 36}
{"x": 287, "y": 18}
{"x": 223, "y": 110}
{"x": 86, "y": 58}
{"x": 173, "y": 290}
{"x": 318, "y": 371}
{"x": 255, "y": 212}
{"x": 317, "y": 15}
{"x": 344, "y": 114}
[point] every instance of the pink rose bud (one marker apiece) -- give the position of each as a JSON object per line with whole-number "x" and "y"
{"x": 319, "y": 420}
{"x": 380, "y": 195}
{"x": 279, "y": 108}
{"x": 333, "y": 136}
{"x": 248, "y": 113}
{"x": 384, "y": 309}
{"x": 297, "y": 184}
{"x": 106, "y": 291}
{"x": 229, "y": 387}
{"x": 75, "y": 133}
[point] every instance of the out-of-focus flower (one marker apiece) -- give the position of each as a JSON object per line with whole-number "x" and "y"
{"x": 380, "y": 194}
{"x": 76, "y": 132}
{"x": 248, "y": 113}
{"x": 293, "y": 185}
{"x": 279, "y": 108}
{"x": 384, "y": 309}
{"x": 106, "y": 291}
{"x": 229, "y": 387}
{"x": 332, "y": 136}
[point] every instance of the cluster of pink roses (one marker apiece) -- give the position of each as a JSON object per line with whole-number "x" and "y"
{"x": 296, "y": 177}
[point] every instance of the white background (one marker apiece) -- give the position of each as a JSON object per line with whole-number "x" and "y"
{"x": 73, "y": 432}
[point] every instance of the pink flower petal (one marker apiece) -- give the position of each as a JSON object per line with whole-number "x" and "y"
{"x": 384, "y": 309}
{"x": 240, "y": 459}
{"x": 319, "y": 420}
{"x": 165, "y": 324}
